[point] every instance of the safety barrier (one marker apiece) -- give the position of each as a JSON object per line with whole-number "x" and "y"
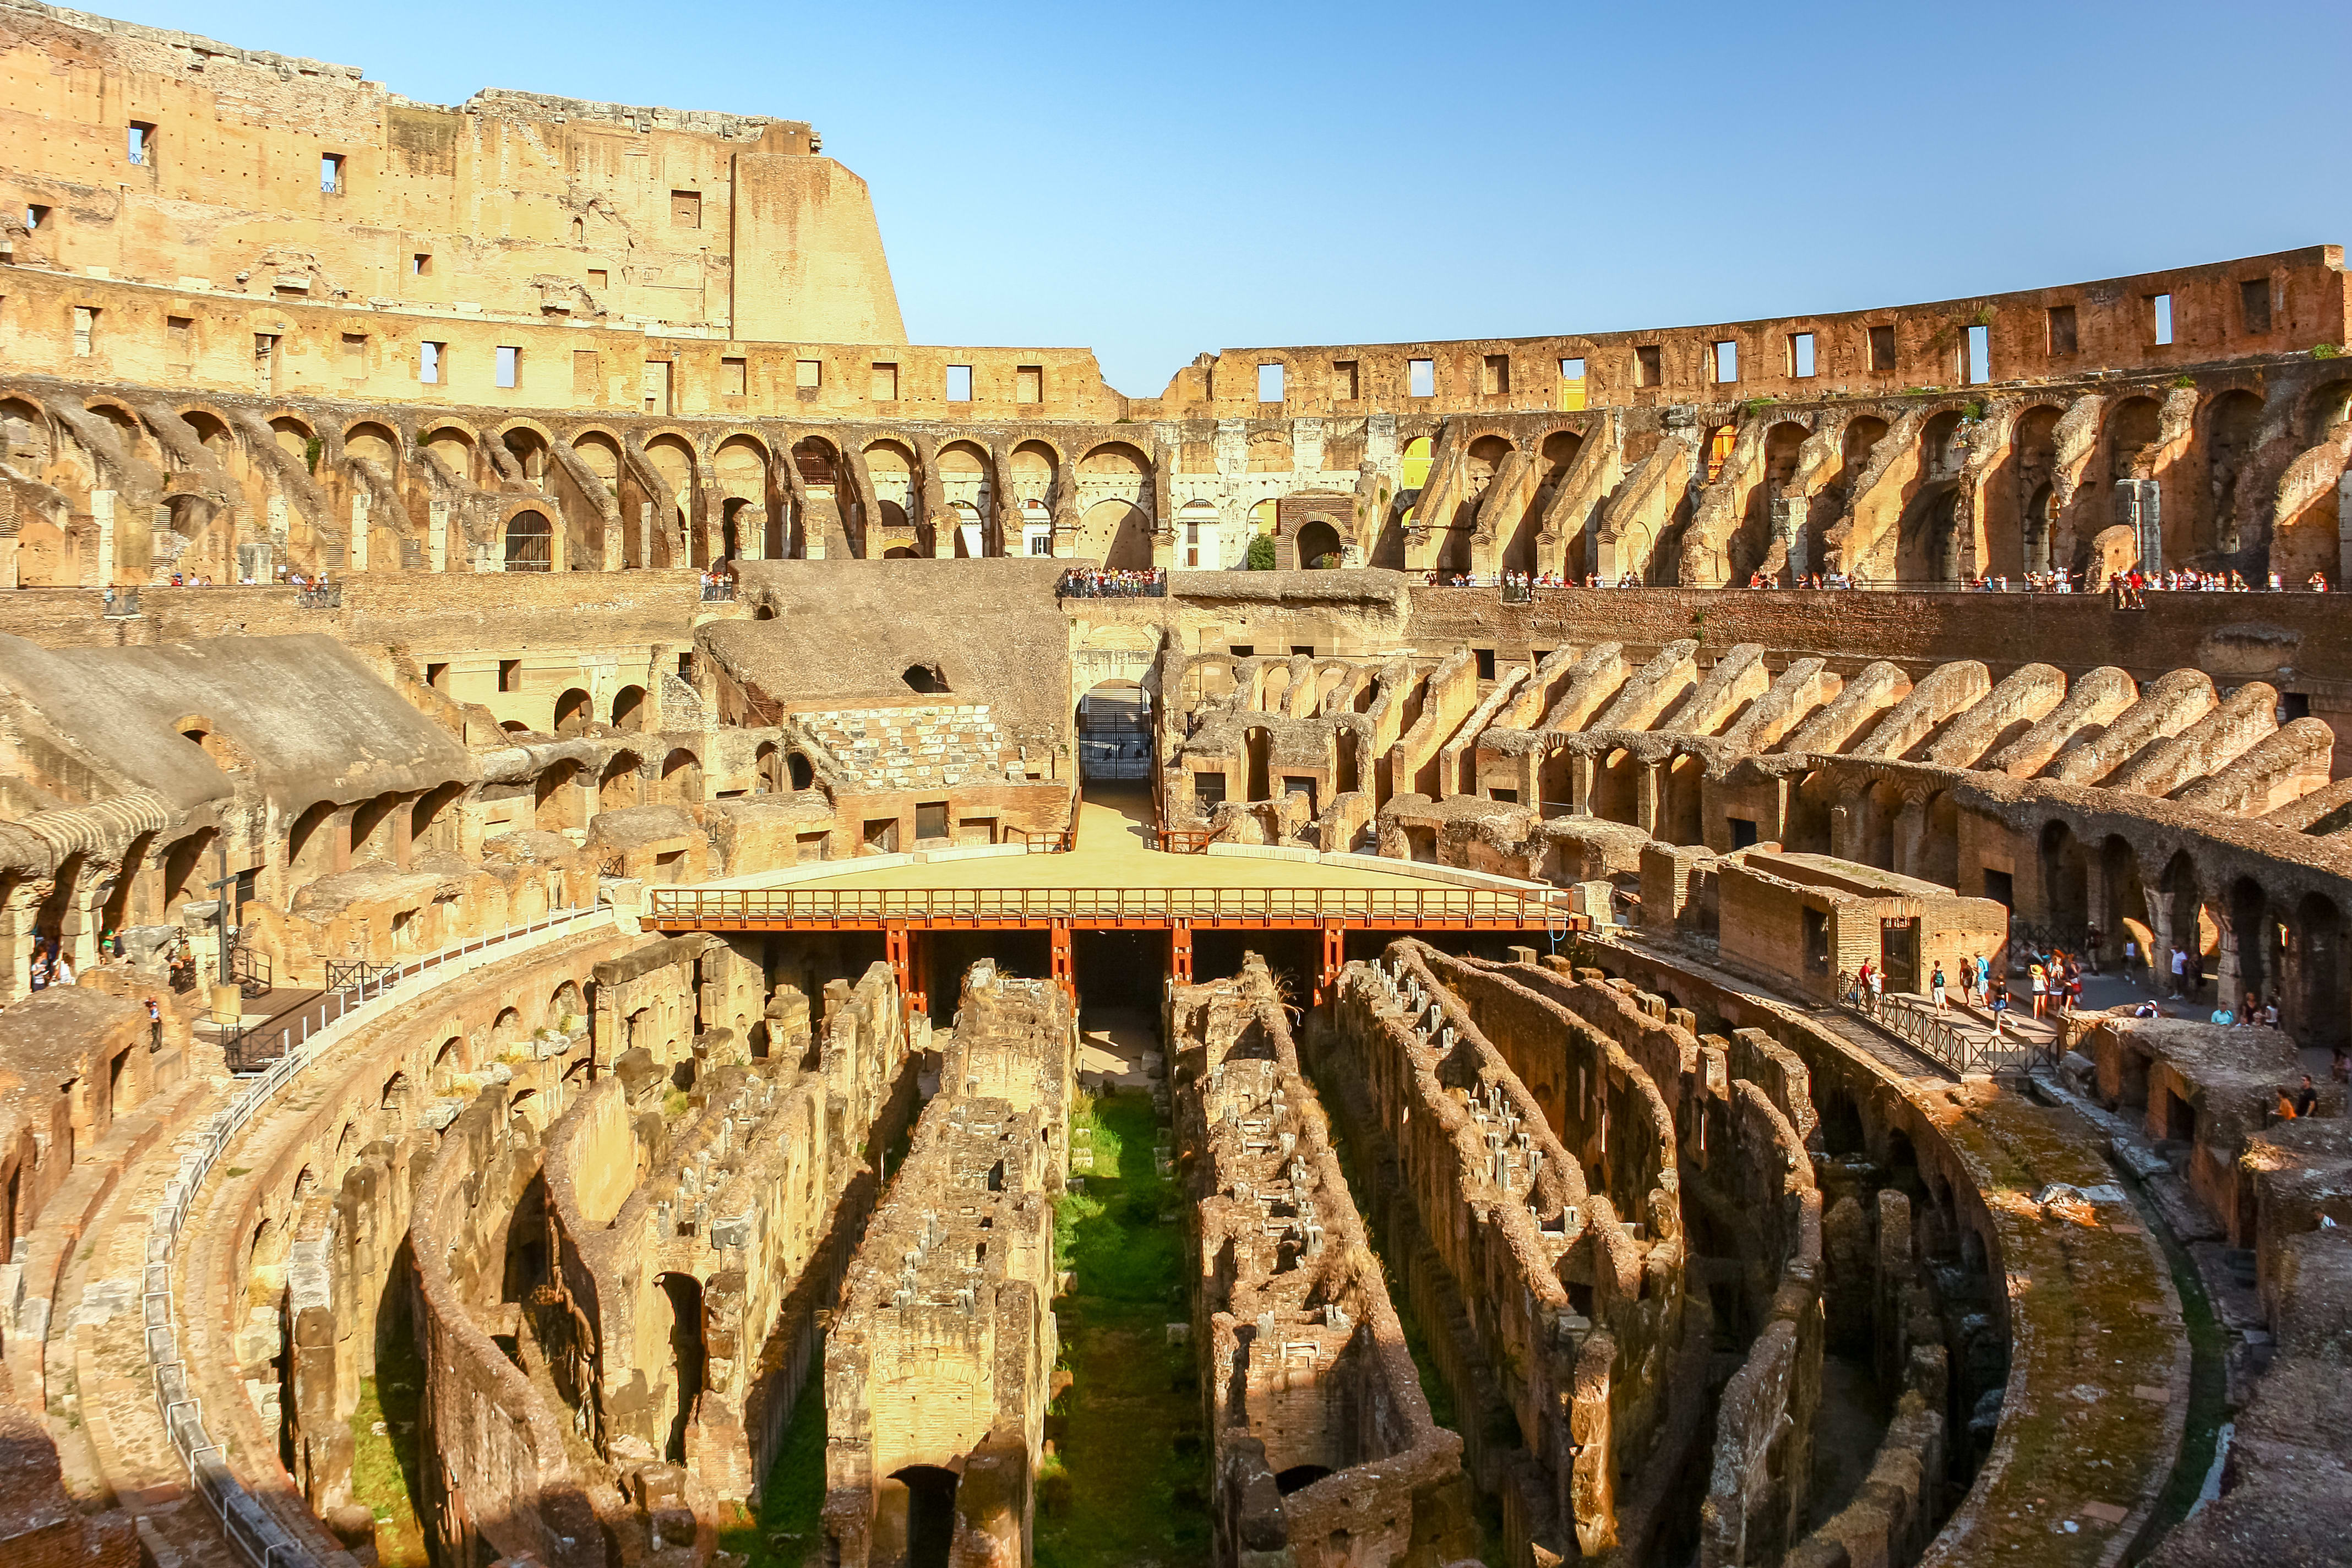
{"x": 693, "y": 909}
{"x": 251, "y": 1531}
{"x": 1961, "y": 1049}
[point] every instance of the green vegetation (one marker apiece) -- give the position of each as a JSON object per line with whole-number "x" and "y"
{"x": 387, "y": 1464}
{"x": 1756, "y": 405}
{"x": 1128, "y": 1480}
{"x": 675, "y": 1104}
{"x": 1261, "y": 552}
{"x": 2324, "y": 351}
{"x": 2184, "y": 381}
{"x": 787, "y": 1531}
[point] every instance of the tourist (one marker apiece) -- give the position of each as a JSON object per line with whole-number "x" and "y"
{"x": 1877, "y": 984}
{"x": 2318, "y": 582}
{"x": 1984, "y": 977}
{"x": 60, "y": 971}
{"x": 2180, "y": 971}
{"x": 2073, "y": 988}
{"x": 2307, "y": 1099}
{"x": 1972, "y": 979}
{"x": 155, "y": 1027}
{"x": 2000, "y": 1006}
{"x": 2041, "y": 982}
{"x": 2091, "y": 942}
{"x": 2286, "y": 1111}
{"x": 2339, "y": 1064}
{"x": 2131, "y": 955}
{"x": 1935, "y": 987}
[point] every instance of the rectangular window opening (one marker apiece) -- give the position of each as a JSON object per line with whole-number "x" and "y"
{"x": 587, "y": 375}
{"x": 510, "y": 365}
{"x": 599, "y": 278}
{"x": 2061, "y": 329}
{"x": 1494, "y": 376}
{"x": 436, "y": 676}
{"x": 428, "y": 362}
{"x": 686, "y": 210}
{"x": 85, "y": 330}
{"x": 1269, "y": 383}
{"x": 331, "y": 173}
{"x": 1979, "y": 355}
{"x": 1649, "y": 366}
{"x": 2254, "y": 304}
{"x": 1801, "y": 355}
{"x": 1343, "y": 380}
{"x": 1571, "y": 385}
{"x": 959, "y": 383}
{"x": 510, "y": 675}
{"x": 886, "y": 383}
{"x": 2159, "y": 319}
{"x": 420, "y": 264}
{"x": 1421, "y": 378}
{"x": 355, "y": 356}
{"x": 734, "y": 377}
{"x": 180, "y": 336}
{"x": 808, "y": 373}
{"x": 1725, "y": 355}
{"x": 1486, "y": 658}
{"x": 142, "y": 143}
{"x": 1882, "y": 350}
{"x": 1029, "y": 384}
{"x": 34, "y": 217}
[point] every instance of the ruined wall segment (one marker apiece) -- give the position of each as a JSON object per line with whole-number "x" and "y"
{"x": 1324, "y": 1449}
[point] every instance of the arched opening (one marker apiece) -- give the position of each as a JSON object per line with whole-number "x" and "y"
{"x": 681, "y": 1294}
{"x": 1298, "y": 1477}
{"x": 310, "y": 847}
{"x": 574, "y": 712}
{"x": 924, "y": 678}
{"x": 2253, "y": 934}
{"x": 2185, "y": 917}
{"x": 2320, "y": 997}
{"x": 930, "y": 1514}
{"x": 620, "y": 788}
{"x": 1318, "y": 545}
{"x": 2230, "y": 433}
{"x": 2132, "y": 431}
{"x": 2033, "y": 544}
{"x": 371, "y": 829}
{"x": 1115, "y": 732}
{"x": 1117, "y": 533}
{"x": 432, "y": 826}
{"x": 2126, "y": 917}
{"x": 529, "y": 542}
{"x": 629, "y": 707}
{"x": 1347, "y": 774}
{"x": 798, "y": 772}
{"x": 2066, "y": 883}
{"x": 681, "y": 778}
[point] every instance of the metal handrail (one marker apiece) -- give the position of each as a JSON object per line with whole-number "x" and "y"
{"x": 252, "y": 1533}
{"x": 1962, "y": 1050}
{"x": 953, "y": 906}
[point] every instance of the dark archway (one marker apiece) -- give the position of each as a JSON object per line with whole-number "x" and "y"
{"x": 684, "y": 1295}
{"x": 529, "y": 542}
{"x": 1318, "y": 545}
{"x": 930, "y": 1514}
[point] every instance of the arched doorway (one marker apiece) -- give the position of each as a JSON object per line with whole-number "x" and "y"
{"x": 1318, "y": 545}
{"x": 529, "y": 541}
{"x": 1115, "y": 733}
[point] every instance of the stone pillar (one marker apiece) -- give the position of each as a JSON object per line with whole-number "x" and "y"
{"x": 2343, "y": 531}
{"x": 1846, "y": 826}
{"x": 359, "y": 551}
{"x": 437, "y": 537}
{"x": 1645, "y": 795}
{"x": 752, "y": 533}
{"x": 101, "y": 511}
{"x": 403, "y": 828}
{"x": 1580, "y": 791}
{"x": 1910, "y": 836}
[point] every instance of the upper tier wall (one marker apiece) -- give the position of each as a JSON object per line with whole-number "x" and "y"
{"x": 170, "y": 158}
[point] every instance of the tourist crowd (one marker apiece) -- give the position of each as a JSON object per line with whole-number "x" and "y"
{"x": 1087, "y": 583}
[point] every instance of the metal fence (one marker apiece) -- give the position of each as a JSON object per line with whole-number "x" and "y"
{"x": 1960, "y": 1048}
{"x": 253, "y": 1534}
{"x": 1015, "y": 908}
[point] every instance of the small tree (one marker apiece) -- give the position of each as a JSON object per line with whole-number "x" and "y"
{"x": 1261, "y": 552}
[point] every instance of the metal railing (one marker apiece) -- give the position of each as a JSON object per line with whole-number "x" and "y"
{"x": 1957, "y": 1047}
{"x": 1044, "y": 840}
{"x": 1183, "y": 840}
{"x": 999, "y": 907}
{"x": 252, "y": 1534}
{"x": 320, "y": 597}
{"x": 718, "y": 591}
{"x": 253, "y": 972}
{"x": 1079, "y": 584}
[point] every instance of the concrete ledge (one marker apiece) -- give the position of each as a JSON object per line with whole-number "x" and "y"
{"x": 964, "y": 852}
{"x": 1432, "y": 871}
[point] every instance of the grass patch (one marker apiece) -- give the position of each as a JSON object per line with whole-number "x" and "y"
{"x": 386, "y": 1463}
{"x": 1128, "y": 1480}
{"x": 787, "y": 1531}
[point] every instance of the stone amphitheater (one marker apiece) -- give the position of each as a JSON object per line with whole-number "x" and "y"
{"x": 646, "y": 927}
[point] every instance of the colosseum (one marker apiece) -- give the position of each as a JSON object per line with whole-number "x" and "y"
{"x": 647, "y": 927}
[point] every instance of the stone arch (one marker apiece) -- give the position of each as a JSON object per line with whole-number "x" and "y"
{"x": 452, "y": 446}
{"x": 681, "y": 777}
{"x": 619, "y": 787}
{"x": 374, "y": 444}
{"x": 529, "y": 541}
{"x": 574, "y": 712}
{"x": 2233, "y": 426}
{"x": 1318, "y": 543}
{"x": 630, "y": 709}
{"x": 1117, "y": 533}
{"x": 2133, "y": 428}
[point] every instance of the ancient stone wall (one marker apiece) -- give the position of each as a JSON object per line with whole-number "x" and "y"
{"x": 940, "y": 1359}
{"x": 1324, "y": 1450}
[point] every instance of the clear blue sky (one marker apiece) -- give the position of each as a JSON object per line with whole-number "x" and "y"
{"x": 1155, "y": 180}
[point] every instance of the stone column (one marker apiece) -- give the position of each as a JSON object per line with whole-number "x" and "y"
{"x": 1645, "y": 796}
{"x": 437, "y": 537}
{"x": 359, "y": 551}
{"x": 1580, "y": 786}
{"x": 1910, "y": 835}
{"x": 101, "y": 511}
